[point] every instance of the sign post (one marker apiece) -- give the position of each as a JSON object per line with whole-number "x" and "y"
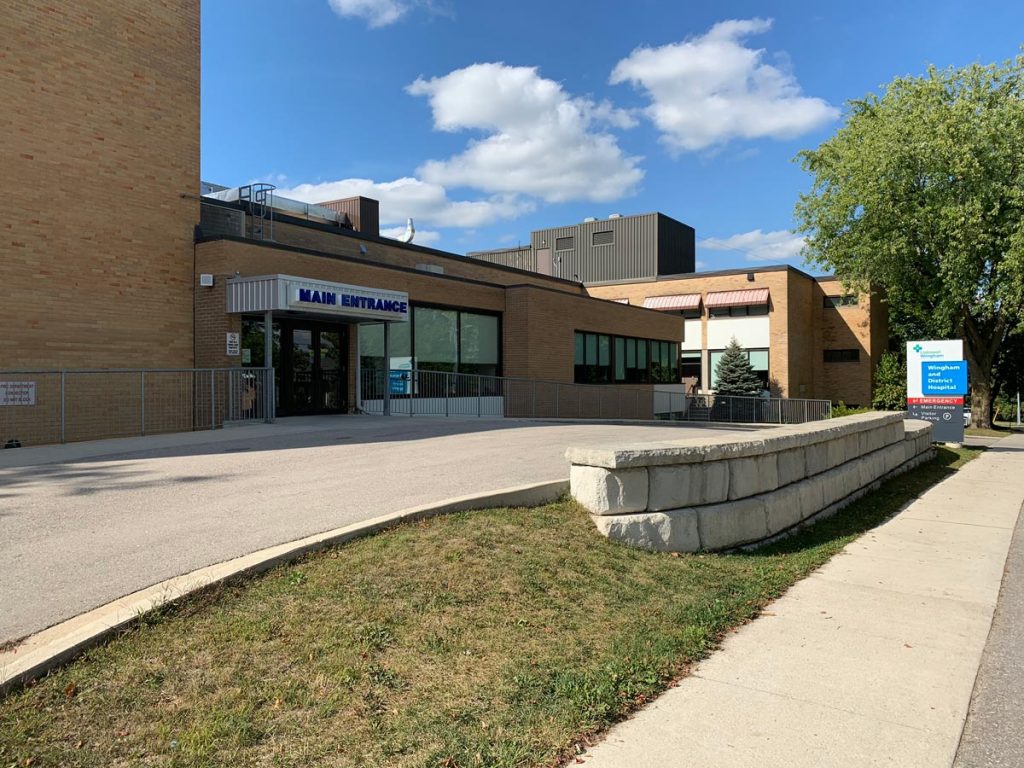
{"x": 936, "y": 385}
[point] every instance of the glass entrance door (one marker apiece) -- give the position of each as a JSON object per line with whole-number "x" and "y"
{"x": 313, "y": 377}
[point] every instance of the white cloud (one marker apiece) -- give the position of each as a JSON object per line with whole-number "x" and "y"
{"x": 423, "y": 236}
{"x": 780, "y": 245}
{"x": 540, "y": 140}
{"x": 710, "y": 89}
{"x": 407, "y": 197}
{"x": 376, "y": 13}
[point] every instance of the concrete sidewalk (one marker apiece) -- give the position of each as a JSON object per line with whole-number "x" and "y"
{"x": 870, "y": 661}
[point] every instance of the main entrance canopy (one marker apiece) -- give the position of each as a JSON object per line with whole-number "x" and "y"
{"x": 352, "y": 303}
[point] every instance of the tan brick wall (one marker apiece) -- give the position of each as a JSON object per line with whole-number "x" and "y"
{"x": 537, "y": 323}
{"x": 343, "y": 244}
{"x": 99, "y": 135}
{"x": 848, "y": 328}
{"x": 800, "y": 329}
{"x": 779, "y": 370}
{"x": 540, "y": 327}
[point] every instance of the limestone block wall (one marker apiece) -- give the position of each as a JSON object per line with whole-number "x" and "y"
{"x": 721, "y": 492}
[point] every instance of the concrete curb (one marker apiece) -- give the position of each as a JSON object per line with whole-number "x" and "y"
{"x": 56, "y": 645}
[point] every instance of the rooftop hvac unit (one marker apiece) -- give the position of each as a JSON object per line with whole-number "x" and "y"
{"x": 615, "y": 216}
{"x": 589, "y": 219}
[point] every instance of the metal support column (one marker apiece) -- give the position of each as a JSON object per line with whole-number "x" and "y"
{"x": 387, "y": 371}
{"x": 63, "y": 420}
{"x": 142, "y": 385}
{"x": 268, "y": 367}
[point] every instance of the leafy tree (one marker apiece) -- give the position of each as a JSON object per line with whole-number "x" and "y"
{"x": 735, "y": 373}
{"x": 890, "y": 392}
{"x": 921, "y": 193}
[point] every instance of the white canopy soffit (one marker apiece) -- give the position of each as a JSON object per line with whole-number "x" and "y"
{"x": 285, "y": 293}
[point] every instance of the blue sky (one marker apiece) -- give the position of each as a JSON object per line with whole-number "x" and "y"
{"x": 484, "y": 121}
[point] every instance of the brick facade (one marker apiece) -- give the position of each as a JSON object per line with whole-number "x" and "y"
{"x": 800, "y": 327}
{"x": 538, "y": 323}
{"x": 99, "y": 135}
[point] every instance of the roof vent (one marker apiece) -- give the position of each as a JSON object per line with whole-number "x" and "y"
{"x": 615, "y": 216}
{"x": 589, "y": 219}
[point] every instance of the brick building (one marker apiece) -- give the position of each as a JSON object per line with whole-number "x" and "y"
{"x": 803, "y": 335}
{"x": 115, "y": 255}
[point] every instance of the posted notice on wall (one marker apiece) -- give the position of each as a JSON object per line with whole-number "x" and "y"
{"x": 234, "y": 344}
{"x": 17, "y": 393}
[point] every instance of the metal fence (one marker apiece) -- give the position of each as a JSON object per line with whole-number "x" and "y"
{"x": 38, "y": 407}
{"x": 437, "y": 393}
{"x": 745, "y": 410}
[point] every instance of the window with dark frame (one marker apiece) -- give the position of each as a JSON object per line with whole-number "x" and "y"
{"x": 846, "y": 300}
{"x": 603, "y": 359}
{"x": 739, "y": 311}
{"x": 842, "y": 355}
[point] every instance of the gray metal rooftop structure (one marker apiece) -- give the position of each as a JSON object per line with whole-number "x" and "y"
{"x": 603, "y": 250}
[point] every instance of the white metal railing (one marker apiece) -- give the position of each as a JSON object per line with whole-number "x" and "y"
{"x": 746, "y": 410}
{"x": 46, "y": 406}
{"x": 419, "y": 392}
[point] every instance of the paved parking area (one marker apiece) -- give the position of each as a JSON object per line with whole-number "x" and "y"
{"x": 83, "y": 524}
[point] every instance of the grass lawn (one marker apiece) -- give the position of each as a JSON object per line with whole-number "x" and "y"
{"x": 999, "y": 429}
{"x": 505, "y": 637}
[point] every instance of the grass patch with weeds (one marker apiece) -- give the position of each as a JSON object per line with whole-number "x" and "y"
{"x": 504, "y": 637}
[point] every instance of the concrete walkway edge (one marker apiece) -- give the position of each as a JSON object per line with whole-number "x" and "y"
{"x": 57, "y": 645}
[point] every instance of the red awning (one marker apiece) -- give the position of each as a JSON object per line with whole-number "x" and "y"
{"x": 673, "y": 303}
{"x": 751, "y": 298}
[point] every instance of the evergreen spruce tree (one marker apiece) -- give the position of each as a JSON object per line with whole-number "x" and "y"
{"x": 735, "y": 374}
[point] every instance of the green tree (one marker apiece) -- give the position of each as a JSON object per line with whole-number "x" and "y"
{"x": 735, "y": 374}
{"x": 890, "y": 391}
{"x": 921, "y": 193}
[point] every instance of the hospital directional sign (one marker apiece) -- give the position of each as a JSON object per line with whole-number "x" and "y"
{"x": 936, "y": 385}
{"x": 943, "y": 379}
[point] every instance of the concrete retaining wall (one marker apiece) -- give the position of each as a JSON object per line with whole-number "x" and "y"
{"x": 718, "y": 493}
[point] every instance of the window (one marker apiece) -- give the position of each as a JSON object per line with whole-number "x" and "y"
{"x": 565, "y": 243}
{"x": 690, "y": 366}
{"x": 834, "y": 302}
{"x": 758, "y": 361}
{"x": 437, "y": 343}
{"x": 436, "y": 339}
{"x": 594, "y": 366}
{"x": 607, "y": 237}
{"x": 601, "y": 359}
{"x": 691, "y": 314}
{"x": 479, "y": 344}
{"x": 742, "y": 311}
{"x": 842, "y": 355}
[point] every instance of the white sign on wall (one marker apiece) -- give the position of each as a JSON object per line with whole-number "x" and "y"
{"x": 17, "y": 393}
{"x": 234, "y": 344}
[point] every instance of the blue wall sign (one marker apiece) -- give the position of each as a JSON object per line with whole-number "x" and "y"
{"x": 337, "y": 299}
{"x": 399, "y": 382}
{"x": 948, "y": 377}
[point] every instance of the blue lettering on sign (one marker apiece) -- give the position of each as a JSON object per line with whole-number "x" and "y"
{"x": 312, "y": 296}
{"x": 948, "y": 377}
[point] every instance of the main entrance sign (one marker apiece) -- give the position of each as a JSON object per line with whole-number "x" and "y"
{"x": 354, "y": 303}
{"x": 936, "y": 385}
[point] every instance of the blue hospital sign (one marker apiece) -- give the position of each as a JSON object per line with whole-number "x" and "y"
{"x": 943, "y": 378}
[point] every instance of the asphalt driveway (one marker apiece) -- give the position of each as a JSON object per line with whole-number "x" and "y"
{"x": 83, "y": 524}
